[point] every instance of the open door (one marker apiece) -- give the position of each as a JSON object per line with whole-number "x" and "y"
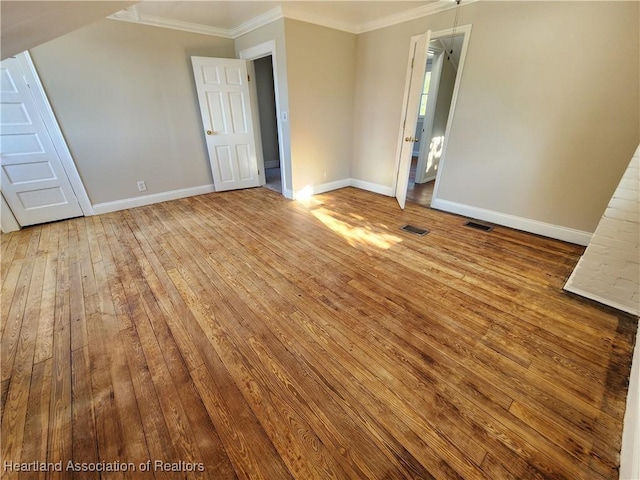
{"x": 223, "y": 93}
{"x": 413, "y": 91}
{"x": 33, "y": 180}
{"x": 425, "y": 170}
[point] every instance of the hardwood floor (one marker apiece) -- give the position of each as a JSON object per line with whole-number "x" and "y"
{"x": 420, "y": 193}
{"x": 243, "y": 335}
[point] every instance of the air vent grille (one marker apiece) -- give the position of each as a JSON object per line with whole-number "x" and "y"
{"x": 415, "y": 230}
{"x": 478, "y": 226}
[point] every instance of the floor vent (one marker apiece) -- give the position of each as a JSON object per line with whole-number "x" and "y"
{"x": 415, "y": 230}
{"x": 479, "y": 226}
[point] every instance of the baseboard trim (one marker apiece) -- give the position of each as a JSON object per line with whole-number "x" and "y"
{"x": 372, "y": 187}
{"x": 141, "y": 201}
{"x": 570, "y": 235}
{"x": 428, "y": 179}
{"x": 321, "y": 188}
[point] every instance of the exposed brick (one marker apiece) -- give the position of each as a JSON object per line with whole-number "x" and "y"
{"x": 625, "y": 205}
{"x": 626, "y": 194}
{"x": 609, "y": 270}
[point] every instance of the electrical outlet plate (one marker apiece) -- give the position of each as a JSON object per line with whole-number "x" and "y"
{"x": 142, "y": 186}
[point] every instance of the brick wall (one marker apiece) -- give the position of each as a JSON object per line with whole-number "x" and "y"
{"x": 609, "y": 270}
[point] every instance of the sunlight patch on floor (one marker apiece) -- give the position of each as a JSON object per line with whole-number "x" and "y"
{"x": 355, "y": 235}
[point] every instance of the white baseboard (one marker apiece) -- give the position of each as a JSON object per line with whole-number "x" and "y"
{"x": 519, "y": 223}
{"x": 123, "y": 204}
{"x": 322, "y": 188}
{"x": 428, "y": 179}
{"x": 372, "y": 187}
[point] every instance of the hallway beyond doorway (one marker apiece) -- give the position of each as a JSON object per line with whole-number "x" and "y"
{"x": 419, "y": 193}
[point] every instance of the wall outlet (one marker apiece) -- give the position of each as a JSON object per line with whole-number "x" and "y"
{"x": 142, "y": 186}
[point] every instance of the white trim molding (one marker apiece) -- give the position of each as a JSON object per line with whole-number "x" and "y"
{"x": 256, "y": 22}
{"x": 285, "y": 10}
{"x": 131, "y": 15}
{"x": 372, "y": 187}
{"x": 299, "y": 13}
{"x": 321, "y": 188}
{"x": 419, "y": 12}
{"x": 558, "y": 232}
{"x": 143, "y": 200}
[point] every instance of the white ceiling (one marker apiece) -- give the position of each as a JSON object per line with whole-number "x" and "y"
{"x": 232, "y": 18}
{"x": 29, "y": 23}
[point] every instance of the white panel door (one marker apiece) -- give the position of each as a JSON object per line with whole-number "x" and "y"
{"x": 223, "y": 94}
{"x": 413, "y": 91}
{"x": 33, "y": 180}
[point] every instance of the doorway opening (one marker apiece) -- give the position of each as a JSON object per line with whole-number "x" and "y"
{"x": 268, "y": 120}
{"x": 443, "y": 59}
{"x": 275, "y": 166}
{"x": 437, "y": 96}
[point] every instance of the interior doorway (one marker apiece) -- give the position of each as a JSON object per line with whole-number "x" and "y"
{"x": 268, "y": 119}
{"x": 276, "y": 164}
{"x": 442, "y": 73}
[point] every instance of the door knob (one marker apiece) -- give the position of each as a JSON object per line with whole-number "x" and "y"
{"x": 209, "y": 132}
{"x": 412, "y": 139}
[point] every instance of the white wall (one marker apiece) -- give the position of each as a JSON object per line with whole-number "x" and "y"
{"x": 547, "y": 115}
{"x": 125, "y": 99}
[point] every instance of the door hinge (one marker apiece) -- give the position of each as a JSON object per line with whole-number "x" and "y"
{"x": 249, "y": 78}
{"x": 412, "y": 60}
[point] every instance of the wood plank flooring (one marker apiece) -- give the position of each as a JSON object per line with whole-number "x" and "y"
{"x": 243, "y": 335}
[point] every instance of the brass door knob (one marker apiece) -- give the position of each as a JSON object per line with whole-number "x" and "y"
{"x": 209, "y": 132}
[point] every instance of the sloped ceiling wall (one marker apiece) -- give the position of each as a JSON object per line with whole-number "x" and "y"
{"x": 28, "y": 24}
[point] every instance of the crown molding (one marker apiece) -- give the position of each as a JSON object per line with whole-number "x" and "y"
{"x": 419, "y": 12}
{"x": 132, "y": 15}
{"x": 297, "y": 13}
{"x": 257, "y": 22}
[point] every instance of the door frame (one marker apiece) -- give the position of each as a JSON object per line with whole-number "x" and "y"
{"x": 254, "y": 53}
{"x": 429, "y": 117}
{"x": 466, "y": 31}
{"x": 59, "y": 143}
